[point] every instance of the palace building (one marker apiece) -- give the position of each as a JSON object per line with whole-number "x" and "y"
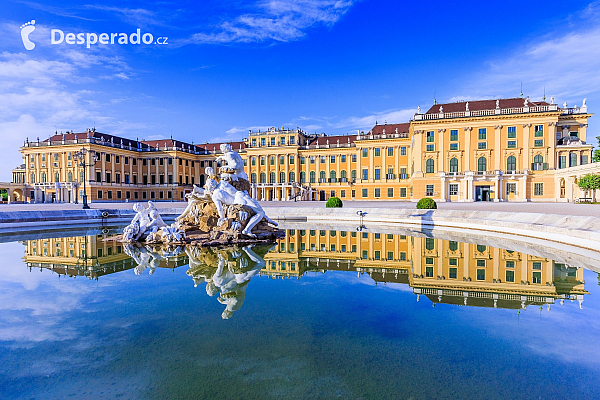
{"x": 488, "y": 150}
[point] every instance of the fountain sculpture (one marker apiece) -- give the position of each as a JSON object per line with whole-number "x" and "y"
{"x": 220, "y": 213}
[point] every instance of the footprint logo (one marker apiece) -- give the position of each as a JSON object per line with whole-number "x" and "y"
{"x": 26, "y": 29}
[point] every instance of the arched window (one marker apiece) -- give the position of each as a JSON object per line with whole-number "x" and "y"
{"x": 343, "y": 176}
{"x": 481, "y": 164}
{"x": 263, "y": 177}
{"x": 332, "y": 176}
{"x": 538, "y": 163}
{"x": 70, "y": 176}
{"x": 481, "y": 248}
{"x": 429, "y": 166}
{"x": 313, "y": 177}
{"x": 322, "y": 176}
{"x": 272, "y": 177}
{"x": 56, "y": 177}
{"x": 43, "y": 177}
{"x": 302, "y": 177}
{"x": 32, "y": 178}
{"x": 511, "y": 163}
{"x": 292, "y": 176}
{"x": 282, "y": 177}
{"x": 454, "y": 164}
{"x": 252, "y": 178}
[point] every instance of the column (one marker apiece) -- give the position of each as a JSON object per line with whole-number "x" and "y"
{"x": 526, "y": 159}
{"x": 497, "y": 146}
{"x": 552, "y": 161}
{"x": 470, "y": 189}
{"x": 523, "y": 188}
{"x": 468, "y": 151}
{"x": 441, "y": 161}
{"x": 496, "y": 187}
{"x": 443, "y": 197}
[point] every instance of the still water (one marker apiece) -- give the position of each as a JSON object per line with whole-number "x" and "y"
{"x": 319, "y": 314}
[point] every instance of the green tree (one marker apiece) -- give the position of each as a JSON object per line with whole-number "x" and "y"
{"x": 590, "y": 182}
{"x": 596, "y": 157}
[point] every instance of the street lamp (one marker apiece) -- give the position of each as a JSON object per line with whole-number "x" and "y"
{"x": 79, "y": 158}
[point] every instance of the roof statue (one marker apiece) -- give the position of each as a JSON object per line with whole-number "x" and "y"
{"x": 467, "y": 106}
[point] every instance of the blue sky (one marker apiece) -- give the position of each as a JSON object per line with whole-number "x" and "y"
{"x": 326, "y": 66}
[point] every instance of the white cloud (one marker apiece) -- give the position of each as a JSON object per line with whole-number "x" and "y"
{"x": 563, "y": 63}
{"x": 275, "y": 20}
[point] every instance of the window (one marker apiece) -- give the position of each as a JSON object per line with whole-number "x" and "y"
{"x": 510, "y": 264}
{"x": 430, "y": 136}
{"x": 482, "y": 134}
{"x": 511, "y": 188}
{"x": 291, "y": 160}
{"x": 452, "y": 273}
{"x": 282, "y": 177}
{"x": 282, "y": 160}
{"x": 538, "y": 130}
{"x": 402, "y": 256}
{"x": 108, "y": 158}
{"x": 430, "y": 147}
{"x": 342, "y": 194}
{"x": 537, "y": 265}
{"x": 365, "y": 152}
{"x": 253, "y": 161}
{"x": 538, "y": 163}
{"x": 428, "y": 272}
{"x": 538, "y": 143}
{"x": 511, "y": 144}
{"x": 312, "y": 159}
{"x": 453, "y": 146}
{"x": 252, "y": 177}
{"x": 353, "y": 157}
{"x": 302, "y": 160}
{"x": 390, "y": 192}
{"x": 512, "y": 132}
{"x": 584, "y": 160}
{"x": 390, "y": 151}
{"x": 430, "y": 166}
{"x": 429, "y": 190}
{"x": 365, "y": 254}
{"x": 377, "y": 174}
{"x": 70, "y": 177}
{"x": 454, "y": 164}
{"x": 353, "y": 174}
{"x": 480, "y": 274}
{"x": 453, "y": 189}
{"x": 454, "y": 135}
{"x": 510, "y": 276}
{"x": 572, "y": 134}
{"x": 377, "y": 193}
{"x": 365, "y": 173}
{"x": 292, "y": 140}
{"x": 313, "y": 177}
{"x": 453, "y": 261}
{"x": 262, "y": 161}
{"x": 322, "y": 177}
{"x": 536, "y": 277}
{"x": 429, "y": 243}
{"x": 511, "y": 163}
{"x": 343, "y": 158}
{"x": 262, "y": 141}
{"x": 482, "y": 145}
{"x": 272, "y": 160}
{"x": 332, "y": 176}
{"x": 292, "y": 176}
{"x": 365, "y": 193}
{"x": 263, "y": 177}
{"x": 377, "y": 151}
{"x": 538, "y": 189}
{"x": 481, "y": 164}
{"x": 572, "y": 159}
{"x": 343, "y": 176}
{"x": 282, "y": 140}
{"x": 253, "y": 142}
{"x": 403, "y": 150}
{"x": 302, "y": 177}
{"x": 272, "y": 177}
{"x": 452, "y": 245}
{"x": 402, "y": 192}
{"x": 272, "y": 141}
{"x": 403, "y": 174}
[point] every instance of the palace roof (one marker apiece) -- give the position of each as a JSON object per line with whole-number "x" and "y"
{"x": 477, "y": 105}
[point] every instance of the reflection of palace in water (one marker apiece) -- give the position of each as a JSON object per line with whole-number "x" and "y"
{"x": 444, "y": 271}
{"x": 86, "y": 256}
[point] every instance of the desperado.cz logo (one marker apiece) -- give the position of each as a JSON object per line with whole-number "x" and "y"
{"x": 57, "y": 36}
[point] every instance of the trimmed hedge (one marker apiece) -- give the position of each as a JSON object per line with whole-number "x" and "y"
{"x": 334, "y": 202}
{"x": 427, "y": 203}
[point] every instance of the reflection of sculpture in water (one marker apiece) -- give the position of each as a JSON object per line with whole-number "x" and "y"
{"x": 226, "y": 271}
{"x": 148, "y": 256}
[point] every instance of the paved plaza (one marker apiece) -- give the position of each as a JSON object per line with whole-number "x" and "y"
{"x": 545, "y": 208}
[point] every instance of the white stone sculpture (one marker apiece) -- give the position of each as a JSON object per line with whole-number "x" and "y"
{"x": 195, "y": 197}
{"x": 225, "y": 194}
{"x": 172, "y": 234}
{"x": 148, "y": 225}
{"x": 138, "y": 225}
{"x": 441, "y": 109}
{"x": 234, "y": 168}
{"x": 584, "y": 102}
{"x": 419, "y": 110}
{"x": 467, "y": 106}
{"x": 497, "y": 103}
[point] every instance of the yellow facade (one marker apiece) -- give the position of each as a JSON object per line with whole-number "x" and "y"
{"x": 504, "y": 150}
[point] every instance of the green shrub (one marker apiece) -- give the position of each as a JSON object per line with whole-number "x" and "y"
{"x": 426, "y": 203}
{"x": 334, "y": 202}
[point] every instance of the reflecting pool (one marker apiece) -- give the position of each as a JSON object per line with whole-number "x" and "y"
{"x": 319, "y": 314}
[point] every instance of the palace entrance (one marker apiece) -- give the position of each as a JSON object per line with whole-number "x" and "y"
{"x": 482, "y": 193}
